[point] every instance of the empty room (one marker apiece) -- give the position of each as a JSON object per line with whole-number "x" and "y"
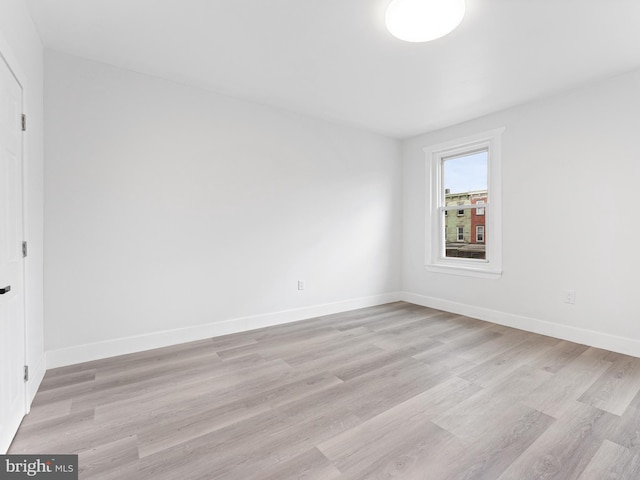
{"x": 319, "y": 239}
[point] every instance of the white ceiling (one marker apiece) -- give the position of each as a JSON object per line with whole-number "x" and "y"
{"x": 334, "y": 59}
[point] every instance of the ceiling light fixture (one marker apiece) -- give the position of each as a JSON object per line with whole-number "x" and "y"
{"x": 423, "y": 20}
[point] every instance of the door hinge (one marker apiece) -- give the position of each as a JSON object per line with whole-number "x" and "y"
{"x": 24, "y": 249}
{"x": 24, "y": 122}
{"x": 26, "y": 373}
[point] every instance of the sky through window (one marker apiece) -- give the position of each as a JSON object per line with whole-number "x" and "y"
{"x": 467, "y": 173}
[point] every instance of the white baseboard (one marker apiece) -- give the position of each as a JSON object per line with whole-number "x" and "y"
{"x": 591, "y": 338}
{"x": 138, "y": 343}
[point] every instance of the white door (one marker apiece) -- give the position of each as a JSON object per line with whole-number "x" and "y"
{"x": 12, "y": 320}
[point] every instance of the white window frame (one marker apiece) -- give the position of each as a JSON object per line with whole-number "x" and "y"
{"x": 480, "y": 210}
{"x": 479, "y": 233}
{"x": 435, "y": 255}
{"x": 460, "y": 233}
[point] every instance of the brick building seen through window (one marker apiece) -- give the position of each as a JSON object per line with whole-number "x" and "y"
{"x": 465, "y": 231}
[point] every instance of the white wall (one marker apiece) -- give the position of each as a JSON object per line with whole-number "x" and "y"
{"x": 571, "y": 172}
{"x": 21, "y": 47}
{"x": 173, "y": 214}
{"x": 174, "y": 209}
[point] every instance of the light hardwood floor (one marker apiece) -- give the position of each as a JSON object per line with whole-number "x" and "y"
{"x": 395, "y": 391}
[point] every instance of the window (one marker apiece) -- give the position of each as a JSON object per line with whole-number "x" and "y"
{"x": 462, "y": 175}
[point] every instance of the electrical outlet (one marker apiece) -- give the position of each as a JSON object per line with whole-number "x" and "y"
{"x": 570, "y": 297}
{"x": 300, "y": 284}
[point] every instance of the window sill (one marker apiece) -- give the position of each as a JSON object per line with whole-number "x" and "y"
{"x": 465, "y": 270}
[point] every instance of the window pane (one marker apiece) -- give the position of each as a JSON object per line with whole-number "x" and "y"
{"x": 465, "y": 185}
{"x": 465, "y": 178}
{"x": 465, "y": 236}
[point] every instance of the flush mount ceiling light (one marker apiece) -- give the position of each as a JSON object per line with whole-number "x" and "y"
{"x": 423, "y": 20}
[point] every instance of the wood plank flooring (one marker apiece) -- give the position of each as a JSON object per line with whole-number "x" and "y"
{"x": 396, "y": 391}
